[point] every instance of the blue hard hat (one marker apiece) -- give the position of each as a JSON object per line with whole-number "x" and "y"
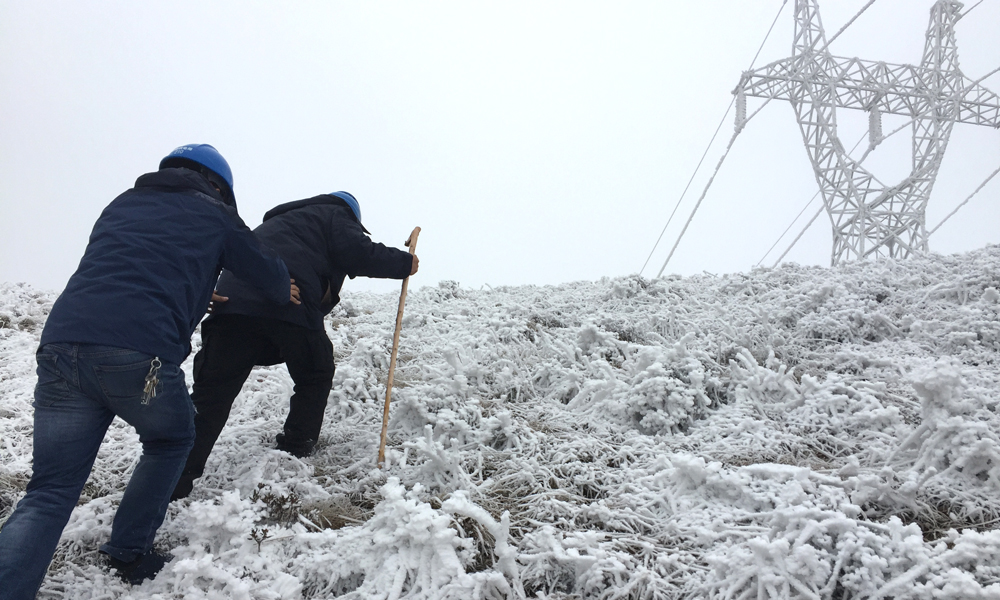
{"x": 203, "y": 154}
{"x": 353, "y": 203}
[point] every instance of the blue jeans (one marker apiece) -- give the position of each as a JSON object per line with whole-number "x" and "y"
{"x": 80, "y": 390}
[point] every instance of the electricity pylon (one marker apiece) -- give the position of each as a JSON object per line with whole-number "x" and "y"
{"x": 869, "y": 218}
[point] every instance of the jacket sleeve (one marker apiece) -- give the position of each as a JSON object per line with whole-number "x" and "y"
{"x": 255, "y": 263}
{"x": 355, "y": 254}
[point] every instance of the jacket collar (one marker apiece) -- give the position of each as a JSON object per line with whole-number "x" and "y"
{"x": 179, "y": 178}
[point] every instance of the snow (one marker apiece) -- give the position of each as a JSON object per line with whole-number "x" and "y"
{"x": 796, "y": 432}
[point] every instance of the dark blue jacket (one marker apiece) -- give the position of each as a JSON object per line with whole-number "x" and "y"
{"x": 322, "y": 242}
{"x": 153, "y": 258}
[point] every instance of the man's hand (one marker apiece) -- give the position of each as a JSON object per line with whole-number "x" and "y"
{"x": 416, "y": 265}
{"x": 216, "y": 298}
{"x": 295, "y": 293}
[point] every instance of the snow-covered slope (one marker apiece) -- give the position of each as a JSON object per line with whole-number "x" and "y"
{"x": 789, "y": 433}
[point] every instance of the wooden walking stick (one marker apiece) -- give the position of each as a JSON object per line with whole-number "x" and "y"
{"x": 411, "y": 242}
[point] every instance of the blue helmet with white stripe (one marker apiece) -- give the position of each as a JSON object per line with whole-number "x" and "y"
{"x": 206, "y": 157}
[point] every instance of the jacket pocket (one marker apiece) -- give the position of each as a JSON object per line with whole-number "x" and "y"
{"x": 122, "y": 381}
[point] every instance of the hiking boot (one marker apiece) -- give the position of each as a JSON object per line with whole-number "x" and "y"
{"x": 297, "y": 449}
{"x": 143, "y": 567}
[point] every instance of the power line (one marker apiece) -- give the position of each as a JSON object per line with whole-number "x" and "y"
{"x": 796, "y": 240}
{"x": 861, "y": 139}
{"x": 981, "y": 186}
{"x": 707, "y": 186}
{"x": 696, "y": 169}
{"x": 811, "y": 200}
{"x": 712, "y": 141}
{"x": 971, "y": 9}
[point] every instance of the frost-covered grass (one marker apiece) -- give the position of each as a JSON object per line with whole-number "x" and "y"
{"x": 788, "y": 433}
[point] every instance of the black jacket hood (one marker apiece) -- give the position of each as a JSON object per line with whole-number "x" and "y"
{"x": 321, "y": 199}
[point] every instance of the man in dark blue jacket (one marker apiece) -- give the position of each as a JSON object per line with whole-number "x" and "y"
{"x": 112, "y": 346}
{"x": 322, "y": 241}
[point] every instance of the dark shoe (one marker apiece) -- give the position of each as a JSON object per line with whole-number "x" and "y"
{"x": 300, "y": 450}
{"x": 144, "y": 567}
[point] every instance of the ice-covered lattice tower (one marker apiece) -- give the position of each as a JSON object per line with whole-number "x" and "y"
{"x": 868, "y": 217}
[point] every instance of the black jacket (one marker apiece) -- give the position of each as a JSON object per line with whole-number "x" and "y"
{"x": 146, "y": 277}
{"x": 321, "y": 241}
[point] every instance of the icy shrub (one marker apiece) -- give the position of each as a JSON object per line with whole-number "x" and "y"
{"x": 589, "y": 565}
{"x": 278, "y": 507}
{"x": 763, "y": 385}
{"x": 369, "y": 353}
{"x": 941, "y": 389}
{"x": 952, "y": 448}
{"x": 440, "y": 465}
{"x": 627, "y": 287}
{"x": 221, "y": 524}
{"x": 446, "y": 417}
{"x": 352, "y": 385}
{"x": 502, "y": 431}
{"x": 849, "y": 312}
{"x": 834, "y": 415}
{"x": 828, "y": 554}
{"x": 592, "y": 341}
{"x": 446, "y": 290}
{"x": 547, "y": 320}
{"x": 625, "y": 330}
{"x": 23, "y": 307}
{"x": 557, "y": 562}
{"x": 406, "y": 550}
{"x": 227, "y": 555}
{"x": 667, "y": 390}
{"x": 661, "y": 403}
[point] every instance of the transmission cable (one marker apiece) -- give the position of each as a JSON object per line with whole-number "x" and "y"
{"x": 798, "y": 237}
{"x": 963, "y": 15}
{"x": 981, "y": 186}
{"x": 696, "y": 169}
{"x": 847, "y": 24}
{"x": 787, "y": 229}
{"x": 705, "y": 191}
{"x": 712, "y": 141}
{"x": 811, "y": 221}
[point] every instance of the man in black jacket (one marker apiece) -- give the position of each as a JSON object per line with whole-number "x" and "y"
{"x": 322, "y": 241}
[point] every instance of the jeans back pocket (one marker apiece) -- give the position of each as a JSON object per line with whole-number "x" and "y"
{"x": 52, "y": 385}
{"x": 122, "y": 381}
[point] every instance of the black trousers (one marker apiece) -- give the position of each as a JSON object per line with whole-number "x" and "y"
{"x": 232, "y": 345}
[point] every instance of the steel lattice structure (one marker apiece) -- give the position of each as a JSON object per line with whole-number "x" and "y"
{"x": 869, "y": 218}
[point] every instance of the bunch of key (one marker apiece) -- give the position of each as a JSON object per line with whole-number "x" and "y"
{"x": 149, "y": 392}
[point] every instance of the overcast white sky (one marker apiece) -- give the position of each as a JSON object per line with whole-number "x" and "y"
{"x": 535, "y": 142}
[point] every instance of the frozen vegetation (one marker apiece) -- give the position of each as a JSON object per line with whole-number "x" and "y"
{"x": 788, "y": 433}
